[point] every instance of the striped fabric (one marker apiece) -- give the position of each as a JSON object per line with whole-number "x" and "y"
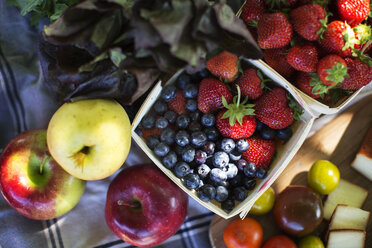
{"x": 25, "y": 103}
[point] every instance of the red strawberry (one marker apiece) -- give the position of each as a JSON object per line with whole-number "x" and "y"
{"x": 260, "y": 151}
{"x": 303, "y": 58}
{"x": 210, "y": 95}
{"x": 148, "y": 132}
{"x": 353, "y": 11}
{"x": 309, "y": 21}
{"x": 251, "y": 83}
{"x": 252, "y": 10}
{"x": 274, "y": 30}
{"x": 237, "y": 121}
{"x": 332, "y": 70}
{"x": 360, "y": 74}
{"x": 303, "y": 83}
{"x": 178, "y": 104}
{"x": 339, "y": 38}
{"x": 224, "y": 65}
{"x": 276, "y": 58}
{"x": 273, "y": 110}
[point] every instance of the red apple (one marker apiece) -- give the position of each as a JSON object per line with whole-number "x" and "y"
{"x": 144, "y": 207}
{"x": 32, "y": 182}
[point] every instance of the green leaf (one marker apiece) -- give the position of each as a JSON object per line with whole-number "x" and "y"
{"x": 58, "y": 11}
{"x": 30, "y": 6}
{"x": 117, "y": 56}
{"x": 337, "y": 73}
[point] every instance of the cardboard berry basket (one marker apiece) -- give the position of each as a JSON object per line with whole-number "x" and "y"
{"x": 285, "y": 151}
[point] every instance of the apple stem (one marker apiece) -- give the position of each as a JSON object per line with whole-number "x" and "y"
{"x": 45, "y": 157}
{"x": 134, "y": 204}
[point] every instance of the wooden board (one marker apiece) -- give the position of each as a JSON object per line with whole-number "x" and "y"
{"x": 338, "y": 141}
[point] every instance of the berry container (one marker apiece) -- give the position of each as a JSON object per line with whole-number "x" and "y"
{"x": 285, "y": 151}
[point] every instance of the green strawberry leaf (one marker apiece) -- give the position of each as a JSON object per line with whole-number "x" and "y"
{"x": 337, "y": 73}
{"x": 296, "y": 108}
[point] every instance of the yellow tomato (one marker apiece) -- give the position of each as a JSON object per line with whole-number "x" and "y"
{"x": 310, "y": 241}
{"x": 265, "y": 203}
{"x": 323, "y": 177}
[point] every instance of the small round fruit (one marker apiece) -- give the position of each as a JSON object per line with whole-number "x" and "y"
{"x": 161, "y": 123}
{"x": 148, "y": 121}
{"x": 246, "y": 233}
{"x": 228, "y": 205}
{"x": 279, "y": 241}
{"x": 208, "y": 120}
{"x": 168, "y": 93}
{"x": 207, "y": 192}
{"x": 323, "y": 177}
{"x": 190, "y": 91}
{"x": 221, "y": 193}
{"x": 310, "y": 241}
{"x": 161, "y": 149}
{"x": 264, "y": 203}
{"x": 160, "y": 107}
{"x": 191, "y": 181}
{"x": 181, "y": 169}
{"x": 183, "y": 121}
{"x": 240, "y": 193}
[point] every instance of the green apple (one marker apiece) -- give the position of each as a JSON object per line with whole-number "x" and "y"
{"x": 91, "y": 138}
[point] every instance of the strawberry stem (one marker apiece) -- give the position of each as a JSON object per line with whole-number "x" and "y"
{"x": 337, "y": 73}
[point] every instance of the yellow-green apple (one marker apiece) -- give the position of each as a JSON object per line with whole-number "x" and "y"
{"x": 91, "y": 138}
{"x": 143, "y": 206}
{"x": 32, "y": 182}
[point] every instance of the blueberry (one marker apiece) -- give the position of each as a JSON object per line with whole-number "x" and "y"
{"x": 217, "y": 175}
{"x": 168, "y": 93}
{"x": 267, "y": 133}
{"x": 212, "y": 133}
{"x": 182, "y": 138}
{"x": 160, "y": 107}
{"x": 203, "y": 73}
{"x": 220, "y": 159}
{"x": 148, "y": 121}
{"x": 240, "y": 193}
{"x": 227, "y": 145}
{"x": 235, "y": 155}
{"x": 259, "y": 125}
{"x": 152, "y": 141}
{"x": 261, "y": 173}
{"x": 183, "y": 121}
{"x": 195, "y": 116}
{"x": 241, "y": 164}
{"x": 250, "y": 170}
{"x": 231, "y": 170}
{"x": 190, "y": 91}
{"x": 209, "y": 147}
{"x": 168, "y": 136}
{"x": 203, "y": 170}
{"x": 188, "y": 154}
{"x": 171, "y": 116}
{"x": 208, "y": 120}
{"x": 198, "y": 139}
{"x": 194, "y": 126}
{"x": 200, "y": 157}
{"x": 242, "y": 145}
{"x": 161, "y": 149}
{"x": 207, "y": 192}
{"x": 250, "y": 183}
{"x": 191, "y": 181}
{"x": 228, "y": 205}
{"x": 225, "y": 184}
{"x": 183, "y": 80}
{"x": 221, "y": 193}
{"x": 161, "y": 123}
{"x": 181, "y": 169}
{"x": 284, "y": 134}
{"x": 170, "y": 160}
{"x": 178, "y": 149}
{"x": 236, "y": 181}
{"x": 191, "y": 105}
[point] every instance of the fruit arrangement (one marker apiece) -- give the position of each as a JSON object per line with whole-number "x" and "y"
{"x": 322, "y": 47}
{"x": 218, "y": 129}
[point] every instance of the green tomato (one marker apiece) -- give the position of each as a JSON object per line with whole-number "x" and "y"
{"x": 310, "y": 241}
{"x": 265, "y": 203}
{"x": 323, "y": 177}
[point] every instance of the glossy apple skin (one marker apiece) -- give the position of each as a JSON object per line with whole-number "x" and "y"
{"x": 143, "y": 206}
{"x": 298, "y": 210}
{"x": 36, "y": 195}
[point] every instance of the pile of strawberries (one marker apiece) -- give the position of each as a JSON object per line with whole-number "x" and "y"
{"x": 320, "y": 45}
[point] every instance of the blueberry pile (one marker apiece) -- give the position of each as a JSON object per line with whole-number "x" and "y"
{"x": 192, "y": 147}
{"x": 268, "y": 133}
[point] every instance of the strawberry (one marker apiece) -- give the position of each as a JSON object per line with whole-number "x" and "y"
{"x": 148, "y": 132}
{"x": 260, "y": 152}
{"x": 224, "y": 65}
{"x": 303, "y": 83}
{"x": 276, "y": 58}
{"x": 363, "y": 33}
{"x": 309, "y": 21}
{"x": 251, "y": 83}
{"x": 332, "y": 70}
{"x": 210, "y": 95}
{"x": 252, "y": 10}
{"x": 274, "y": 30}
{"x": 273, "y": 110}
{"x": 303, "y": 57}
{"x": 178, "y": 104}
{"x": 360, "y": 74}
{"x": 353, "y": 11}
